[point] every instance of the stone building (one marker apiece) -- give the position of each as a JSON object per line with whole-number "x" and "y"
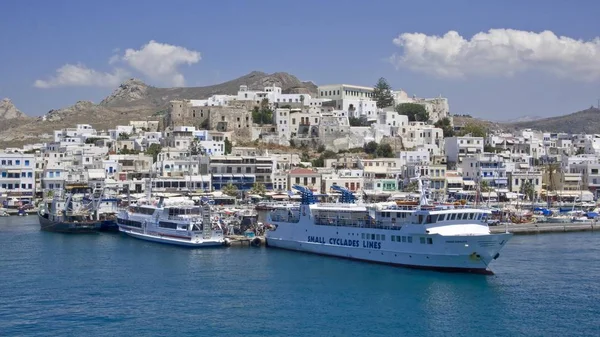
{"x": 236, "y": 118}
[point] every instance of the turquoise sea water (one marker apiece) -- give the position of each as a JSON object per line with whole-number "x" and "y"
{"x": 111, "y": 285}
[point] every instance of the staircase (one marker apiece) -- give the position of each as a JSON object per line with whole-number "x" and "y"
{"x": 206, "y": 222}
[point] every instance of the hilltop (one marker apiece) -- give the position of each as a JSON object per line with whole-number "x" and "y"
{"x": 136, "y": 93}
{"x": 132, "y": 100}
{"x": 584, "y": 121}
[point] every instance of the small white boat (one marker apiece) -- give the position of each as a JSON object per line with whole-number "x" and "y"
{"x": 182, "y": 225}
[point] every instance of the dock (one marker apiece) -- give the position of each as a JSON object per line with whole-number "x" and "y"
{"x": 243, "y": 241}
{"x": 541, "y": 228}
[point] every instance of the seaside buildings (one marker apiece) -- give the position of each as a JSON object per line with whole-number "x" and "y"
{"x": 266, "y": 140}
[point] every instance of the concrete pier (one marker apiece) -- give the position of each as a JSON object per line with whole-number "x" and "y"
{"x": 540, "y": 228}
{"x": 242, "y": 241}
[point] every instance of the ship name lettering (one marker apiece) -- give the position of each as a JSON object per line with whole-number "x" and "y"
{"x": 372, "y": 244}
{"x": 344, "y": 242}
{"x": 316, "y": 239}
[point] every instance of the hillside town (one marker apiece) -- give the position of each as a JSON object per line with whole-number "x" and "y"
{"x": 257, "y": 144}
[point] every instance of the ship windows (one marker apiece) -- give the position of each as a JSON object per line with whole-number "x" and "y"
{"x": 429, "y": 241}
{"x": 363, "y": 236}
{"x": 382, "y": 237}
{"x": 453, "y": 216}
{"x": 372, "y": 236}
{"x": 393, "y": 238}
{"x": 471, "y": 215}
{"x": 422, "y": 240}
{"x": 409, "y": 238}
{"x": 377, "y": 237}
{"x": 164, "y": 224}
{"x": 441, "y": 217}
{"x": 130, "y": 223}
{"x": 404, "y": 239}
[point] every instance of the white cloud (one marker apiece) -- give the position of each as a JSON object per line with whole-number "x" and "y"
{"x": 78, "y": 75}
{"x": 499, "y": 52}
{"x": 160, "y": 61}
{"x": 157, "y": 61}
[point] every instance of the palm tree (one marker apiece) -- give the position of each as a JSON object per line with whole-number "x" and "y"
{"x": 551, "y": 169}
{"x": 484, "y": 186}
{"x": 259, "y": 189}
{"x": 230, "y": 190}
{"x": 528, "y": 190}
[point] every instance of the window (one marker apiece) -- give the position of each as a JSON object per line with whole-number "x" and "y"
{"x": 383, "y": 237}
{"x": 422, "y": 240}
{"x": 409, "y": 238}
{"x": 17, "y": 162}
{"x": 393, "y": 238}
{"x": 4, "y": 162}
{"x": 404, "y": 239}
{"x": 429, "y": 241}
{"x": 363, "y": 236}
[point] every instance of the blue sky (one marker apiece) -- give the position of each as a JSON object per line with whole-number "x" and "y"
{"x": 511, "y": 71}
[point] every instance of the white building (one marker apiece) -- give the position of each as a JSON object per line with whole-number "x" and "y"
{"x": 457, "y": 148}
{"x": 17, "y": 175}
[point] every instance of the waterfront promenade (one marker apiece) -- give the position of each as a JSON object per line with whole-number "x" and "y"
{"x": 540, "y": 228}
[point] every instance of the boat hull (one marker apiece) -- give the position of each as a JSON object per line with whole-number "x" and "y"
{"x": 171, "y": 241}
{"x": 66, "y": 227}
{"x": 465, "y": 263}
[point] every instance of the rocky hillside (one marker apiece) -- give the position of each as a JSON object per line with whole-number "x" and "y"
{"x": 9, "y": 111}
{"x": 585, "y": 121}
{"x": 132, "y": 100}
{"x": 136, "y": 93}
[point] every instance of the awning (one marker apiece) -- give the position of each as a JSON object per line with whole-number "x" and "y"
{"x": 471, "y": 149}
{"x": 469, "y": 182}
{"x": 14, "y": 171}
{"x": 489, "y": 194}
{"x": 279, "y": 196}
{"x": 454, "y": 180}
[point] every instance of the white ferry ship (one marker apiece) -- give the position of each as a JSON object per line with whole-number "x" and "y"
{"x": 428, "y": 237}
{"x": 182, "y": 225}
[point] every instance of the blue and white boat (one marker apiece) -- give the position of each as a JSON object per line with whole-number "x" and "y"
{"x": 429, "y": 237}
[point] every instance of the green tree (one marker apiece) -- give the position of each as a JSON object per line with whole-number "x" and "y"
{"x": 195, "y": 148}
{"x": 230, "y": 190}
{"x": 259, "y": 189}
{"x": 551, "y": 169}
{"x": 484, "y": 186}
{"x": 415, "y": 112}
{"x": 412, "y": 187}
{"x": 304, "y": 157}
{"x": 371, "y": 147}
{"x": 382, "y": 93}
{"x": 475, "y": 130}
{"x": 528, "y": 190}
{"x": 385, "y": 151}
{"x": 123, "y": 136}
{"x": 153, "y": 150}
{"x": 321, "y": 148}
{"x": 580, "y": 150}
{"x": 446, "y": 127}
{"x": 228, "y": 146}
